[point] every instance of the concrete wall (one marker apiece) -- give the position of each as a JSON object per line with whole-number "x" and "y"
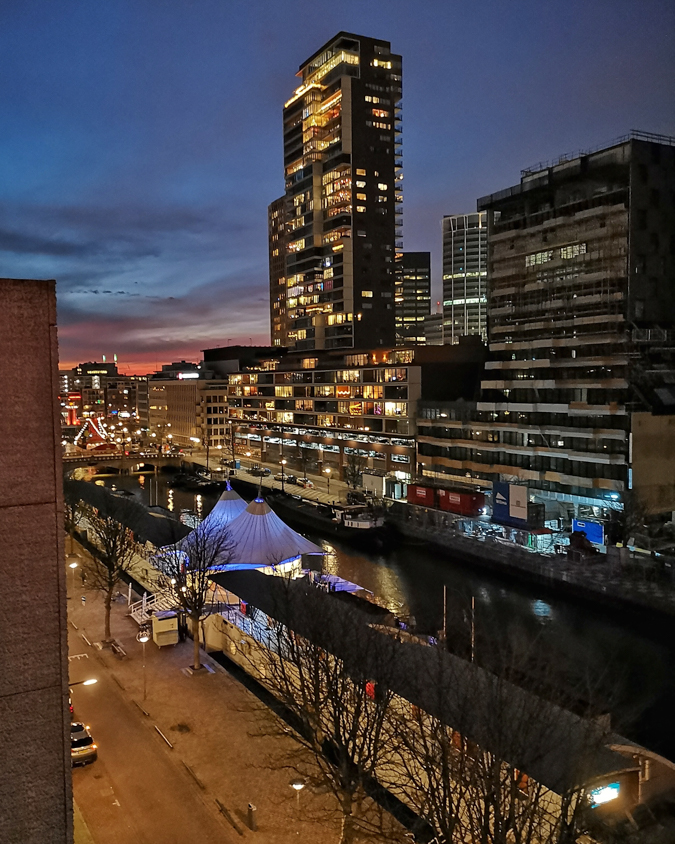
{"x": 653, "y": 461}
{"x": 35, "y": 788}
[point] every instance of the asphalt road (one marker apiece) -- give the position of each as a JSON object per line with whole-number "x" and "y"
{"x": 135, "y": 793}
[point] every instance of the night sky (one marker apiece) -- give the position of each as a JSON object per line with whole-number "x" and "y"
{"x": 140, "y": 142}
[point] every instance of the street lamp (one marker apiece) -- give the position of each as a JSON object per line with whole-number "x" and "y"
{"x": 327, "y": 471}
{"x": 89, "y": 682}
{"x": 283, "y": 475}
{"x": 297, "y": 786}
{"x": 248, "y": 454}
{"x": 72, "y": 566}
{"x": 143, "y": 636}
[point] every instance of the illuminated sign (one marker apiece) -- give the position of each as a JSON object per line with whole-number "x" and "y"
{"x": 184, "y": 375}
{"x": 518, "y": 502}
{"x": 604, "y": 794}
{"x": 595, "y": 531}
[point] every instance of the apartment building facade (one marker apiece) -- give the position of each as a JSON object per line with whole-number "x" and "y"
{"x": 412, "y": 296}
{"x": 337, "y": 225}
{"x": 581, "y": 320}
{"x": 315, "y": 410}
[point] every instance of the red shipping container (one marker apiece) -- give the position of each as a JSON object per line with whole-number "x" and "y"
{"x": 463, "y": 503}
{"x": 423, "y": 495}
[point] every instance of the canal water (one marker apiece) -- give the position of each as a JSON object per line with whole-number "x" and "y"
{"x": 631, "y": 658}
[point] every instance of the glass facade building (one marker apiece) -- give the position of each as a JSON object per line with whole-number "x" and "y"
{"x": 464, "y": 276}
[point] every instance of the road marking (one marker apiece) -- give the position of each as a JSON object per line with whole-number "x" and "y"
{"x": 163, "y": 736}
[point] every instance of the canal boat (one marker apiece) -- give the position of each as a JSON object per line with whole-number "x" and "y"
{"x": 361, "y": 524}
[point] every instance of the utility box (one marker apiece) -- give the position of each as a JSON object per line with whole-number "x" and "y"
{"x": 165, "y": 628}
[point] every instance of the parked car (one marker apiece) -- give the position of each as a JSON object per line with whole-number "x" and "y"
{"x": 82, "y": 747}
{"x": 266, "y": 471}
{"x": 291, "y": 479}
{"x": 280, "y": 477}
{"x": 305, "y": 483}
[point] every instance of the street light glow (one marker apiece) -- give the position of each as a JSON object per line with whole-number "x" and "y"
{"x": 72, "y": 565}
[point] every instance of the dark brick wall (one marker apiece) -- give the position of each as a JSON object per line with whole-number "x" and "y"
{"x": 35, "y": 789}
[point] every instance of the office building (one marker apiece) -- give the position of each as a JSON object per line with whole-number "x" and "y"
{"x": 434, "y": 329}
{"x": 412, "y": 296}
{"x": 337, "y": 225}
{"x": 36, "y": 802}
{"x": 464, "y": 276}
{"x": 577, "y": 400}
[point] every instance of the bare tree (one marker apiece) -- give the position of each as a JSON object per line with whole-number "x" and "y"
{"x": 625, "y": 524}
{"x": 482, "y": 759}
{"x": 353, "y": 469}
{"x": 316, "y": 660}
{"x": 185, "y": 570}
{"x": 73, "y": 510}
{"x": 113, "y": 548}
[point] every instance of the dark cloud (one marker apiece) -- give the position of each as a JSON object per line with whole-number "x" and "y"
{"x": 138, "y": 155}
{"x": 28, "y": 244}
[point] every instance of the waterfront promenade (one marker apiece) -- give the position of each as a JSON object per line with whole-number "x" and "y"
{"x": 140, "y": 788}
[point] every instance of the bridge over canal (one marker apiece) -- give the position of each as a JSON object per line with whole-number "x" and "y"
{"x": 124, "y": 464}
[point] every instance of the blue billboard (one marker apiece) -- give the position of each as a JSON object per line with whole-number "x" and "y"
{"x": 509, "y": 504}
{"x": 500, "y": 502}
{"x": 595, "y": 531}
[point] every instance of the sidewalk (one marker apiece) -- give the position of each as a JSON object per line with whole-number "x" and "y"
{"x": 210, "y": 720}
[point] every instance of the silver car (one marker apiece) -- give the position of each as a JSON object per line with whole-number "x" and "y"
{"x": 82, "y": 747}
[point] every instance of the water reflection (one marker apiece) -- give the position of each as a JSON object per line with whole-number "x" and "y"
{"x": 635, "y": 660}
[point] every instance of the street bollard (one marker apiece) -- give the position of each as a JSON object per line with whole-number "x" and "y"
{"x": 252, "y": 817}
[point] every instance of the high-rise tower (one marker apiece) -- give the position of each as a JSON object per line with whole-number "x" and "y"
{"x": 412, "y": 296}
{"x": 464, "y": 276}
{"x": 343, "y": 176}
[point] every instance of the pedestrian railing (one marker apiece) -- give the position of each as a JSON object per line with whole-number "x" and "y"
{"x": 143, "y": 610}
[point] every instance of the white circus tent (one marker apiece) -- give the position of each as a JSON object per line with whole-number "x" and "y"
{"x": 246, "y": 537}
{"x": 260, "y": 539}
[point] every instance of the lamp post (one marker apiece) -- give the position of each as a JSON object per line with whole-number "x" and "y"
{"x": 327, "y": 471}
{"x": 297, "y": 786}
{"x": 89, "y": 682}
{"x": 72, "y": 566}
{"x": 143, "y": 636}
{"x": 248, "y": 454}
{"x": 283, "y": 475}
